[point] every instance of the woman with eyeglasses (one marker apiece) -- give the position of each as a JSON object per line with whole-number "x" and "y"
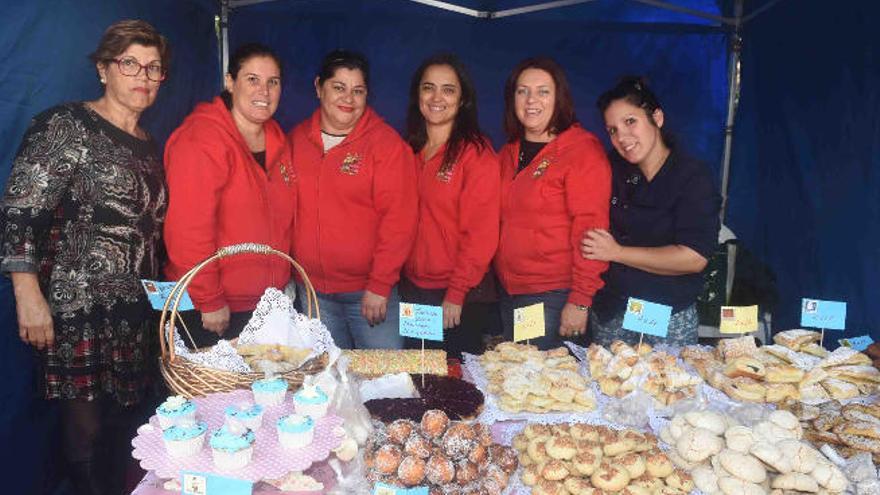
{"x": 556, "y": 183}
{"x": 230, "y": 182}
{"x": 82, "y": 215}
{"x": 357, "y": 211}
{"x": 459, "y": 184}
{"x": 664, "y": 220}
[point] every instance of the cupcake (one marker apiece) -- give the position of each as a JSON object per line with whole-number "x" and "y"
{"x": 250, "y": 415}
{"x": 176, "y": 410}
{"x": 184, "y": 439}
{"x": 232, "y": 447}
{"x": 295, "y": 431}
{"x": 311, "y": 401}
{"x": 269, "y": 391}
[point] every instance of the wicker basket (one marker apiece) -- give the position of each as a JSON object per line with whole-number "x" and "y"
{"x": 189, "y": 379}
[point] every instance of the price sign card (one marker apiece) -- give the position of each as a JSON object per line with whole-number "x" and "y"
{"x": 647, "y": 317}
{"x": 421, "y": 322}
{"x": 212, "y": 484}
{"x": 528, "y": 322}
{"x": 830, "y": 315}
{"x": 739, "y": 319}
{"x": 859, "y": 343}
{"x": 158, "y": 292}
{"x": 385, "y": 489}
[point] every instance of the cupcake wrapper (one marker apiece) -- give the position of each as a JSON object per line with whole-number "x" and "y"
{"x": 290, "y": 440}
{"x": 253, "y": 423}
{"x": 232, "y": 460}
{"x": 185, "y": 448}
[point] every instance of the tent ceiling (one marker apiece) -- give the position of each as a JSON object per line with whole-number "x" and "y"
{"x": 698, "y": 12}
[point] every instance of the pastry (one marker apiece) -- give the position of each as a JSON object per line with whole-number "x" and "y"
{"x": 795, "y": 481}
{"x": 730, "y": 349}
{"x": 705, "y": 479}
{"x": 633, "y": 463}
{"x": 586, "y": 463}
{"x": 610, "y": 477}
{"x": 797, "y": 338}
{"x": 561, "y": 447}
{"x": 745, "y": 389}
{"x": 735, "y": 486}
{"x": 803, "y": 457}
{"x": 783, "y": 374}
{"x": 680, "y": 480}
{"x": 742, "y": 466}
{"x": 709, "y": 420}
{"x": 781, "y": 392}
{"x": 555, "y": 470}
{"x": 769, "y": 454}
{"x": 659, "y": 465}
{"x": 829, "y": 477}
{"x": 784, "y": 419}
{"x": 697, "y": 444}
{"x": 745, "y": 366}
{"x": 739, "y": 438}
{"x": 439, "y": 470}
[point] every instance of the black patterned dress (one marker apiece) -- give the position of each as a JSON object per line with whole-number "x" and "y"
{"x": 83, "y": 208}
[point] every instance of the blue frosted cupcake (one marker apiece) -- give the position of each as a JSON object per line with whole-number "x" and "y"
{"x": 295, "y": 431}
{"x": 250, "y": 415}
{"x": 232, "y": 449}
{"x": 311, "y": 401}
{"x": 269, "y": 391}
{"x": 176, "y": 410}
{"x": 184, "y": 440}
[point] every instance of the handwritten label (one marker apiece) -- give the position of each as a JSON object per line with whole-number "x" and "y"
{"x": 829, "y": 315}
{"x": 528, "y": 322}
{"x": 647, "y": 317}
{"x": 385, "y": 489}
{"x": 212, "y": 484}
{"x": 421, "y": 322}
{"x": 739, "y": 319}
{"x": 158, "y": 292}
{"x": 859, "y": 343}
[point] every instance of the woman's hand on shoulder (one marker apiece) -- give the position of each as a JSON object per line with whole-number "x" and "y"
{"x": 374, "y": 307}
{"x": 216, "y": 321}
{"x": 599, "y": 244}
{"x": 451, "y": 315}
{"x": 35, "y": 325}
{"x": 573, "y": 320}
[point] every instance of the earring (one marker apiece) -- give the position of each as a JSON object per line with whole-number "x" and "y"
{"x": 103, "y": 81}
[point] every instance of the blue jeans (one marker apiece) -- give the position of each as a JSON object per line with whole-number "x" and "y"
{"x": 341, "y": 313}
{"x": 554, "y": 301}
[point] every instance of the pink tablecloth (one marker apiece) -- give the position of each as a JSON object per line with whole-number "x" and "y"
{"x": 152, "y": 484}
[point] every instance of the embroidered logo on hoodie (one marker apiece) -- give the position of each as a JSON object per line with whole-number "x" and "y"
{"x": 351, "y": 165}
{"x": 541, "y": 168}
{"x": 445, "y": 173}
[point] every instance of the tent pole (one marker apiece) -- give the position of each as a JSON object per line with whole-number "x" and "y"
{"x": 224, "y": 39}
{"x": 735, "y": 80}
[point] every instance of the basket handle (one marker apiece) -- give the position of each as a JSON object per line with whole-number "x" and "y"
{"x": 166, "y": 340}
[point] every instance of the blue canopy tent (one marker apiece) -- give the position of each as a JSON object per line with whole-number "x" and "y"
{"x": 803, "y": 175}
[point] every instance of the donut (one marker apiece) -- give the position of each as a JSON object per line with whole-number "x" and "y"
{"x": 458, "y": 440}
{"x": 400, "y": 430}
{"x": 478, "y": 454}
{"x": 418, "y": 446}
{"x": 434, "y": 423}
{"x": 439, "y": 470}
{"x": 610, "y": 477}
{"x": 484, "y": 434}
{"x": 495, "y": 473}
{"x": 387, "y": 458}
{"x": 505, "y": 457}
{"x": 466, "y": 471}
{"x": 411, "y": 470}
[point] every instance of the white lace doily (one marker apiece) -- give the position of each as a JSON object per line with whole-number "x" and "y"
{"x": 274, "y": 321}
{"x": 269, "y": 460}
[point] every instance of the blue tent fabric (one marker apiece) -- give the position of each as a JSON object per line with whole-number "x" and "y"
{"x": 805, "y": 176}
{"x": 44, "y": 46}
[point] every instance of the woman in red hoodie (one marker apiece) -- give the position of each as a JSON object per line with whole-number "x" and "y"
{"x": 357, "y": 211}
{"x": 556, "y": 184}
{"x": 230, "y": 181}
{"x": 459, "y": 201}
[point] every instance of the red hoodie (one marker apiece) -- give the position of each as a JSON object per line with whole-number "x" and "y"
{"x": 458, "y": 222}
{"x": 545, "y": 209}
{"x": 358, "y": 206}
{"x": 218, "y": 196}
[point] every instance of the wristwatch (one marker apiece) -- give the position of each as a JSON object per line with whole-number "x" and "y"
{"x": 581, "y": 307}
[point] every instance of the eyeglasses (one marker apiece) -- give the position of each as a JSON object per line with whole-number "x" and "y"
{"x": 129, "y": 66}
